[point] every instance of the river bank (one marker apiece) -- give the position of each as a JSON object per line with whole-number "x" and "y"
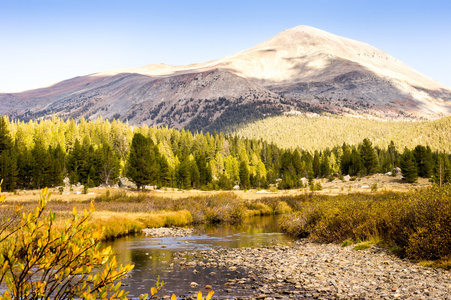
{"x": 309, "y": 270}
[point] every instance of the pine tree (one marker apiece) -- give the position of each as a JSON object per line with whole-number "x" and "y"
{"x": 165, "y": 172}
{"x": 41, "y": 166}
{"x": 8, "y": 170}
{"x": 356, "y": 165}
{"x": 408, "y": 167}
{"x": 194, "y": 174}
{"x": 298, "y": 165}
{"x": 5, "y": 137}
{"x": 316, "y": 164}
{"x": 423, "y": 158}
{"x": 345, "y": 160}
{"x": 442, "y": 170}
{"x": 393, "y": 154}
{"x": 244, "y": 175}
{"x": 109, "y": 167}
{"x": 75, "y": 162}
{"x": 325, "y": 166}
{"x": 141, "y": 166}
{"x": 368, "y": 157}
{"x": 184, "y": 174}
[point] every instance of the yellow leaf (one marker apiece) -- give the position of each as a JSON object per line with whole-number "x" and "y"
{"x": 210, "y": 294}
{"x": 199, "y": 295}
{"x": 173, "y": 297}
{"x": 153, "y": 291}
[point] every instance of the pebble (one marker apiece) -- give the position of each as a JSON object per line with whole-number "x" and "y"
{"x": 167, "y": 232}
{"x": 329, "y": 271}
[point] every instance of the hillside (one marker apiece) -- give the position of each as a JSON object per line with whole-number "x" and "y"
{"x": 312, "y": 132}
{"x": 302, "y": 69}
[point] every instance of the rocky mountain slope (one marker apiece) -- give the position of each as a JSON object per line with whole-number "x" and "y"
{"x": 301, "y": 69}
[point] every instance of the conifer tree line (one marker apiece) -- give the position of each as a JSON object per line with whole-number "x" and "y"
{"x": 39, "y": 154}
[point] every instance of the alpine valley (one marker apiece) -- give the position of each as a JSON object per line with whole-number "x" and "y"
{"x": 302, "y": 69}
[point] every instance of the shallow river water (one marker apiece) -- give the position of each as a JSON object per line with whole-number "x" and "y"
{"x": 153, "y": 257}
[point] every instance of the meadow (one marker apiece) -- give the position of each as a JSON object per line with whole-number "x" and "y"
{"x": 121, "y": 213}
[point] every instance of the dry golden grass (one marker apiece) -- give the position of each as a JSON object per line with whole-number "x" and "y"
{"x": 336, "y": 187}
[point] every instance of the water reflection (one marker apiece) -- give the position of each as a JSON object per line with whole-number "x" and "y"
{"x": 154, "y": 257}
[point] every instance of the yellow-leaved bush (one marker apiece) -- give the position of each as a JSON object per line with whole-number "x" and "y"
{"x": 40, "y": 260}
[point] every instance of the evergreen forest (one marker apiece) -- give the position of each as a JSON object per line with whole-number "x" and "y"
{"x": 320, "y": 131}
{"x": 38, "y": 154}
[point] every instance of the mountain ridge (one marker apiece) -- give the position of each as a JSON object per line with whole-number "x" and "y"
{"x": 300, "y": 69}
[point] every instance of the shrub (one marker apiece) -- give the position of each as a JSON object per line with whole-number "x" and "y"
{"x": 282, "y": 208}
{"x": 374, "y": 187}
{"x": 38, "y": 260}
{"x": 416, "y": 223}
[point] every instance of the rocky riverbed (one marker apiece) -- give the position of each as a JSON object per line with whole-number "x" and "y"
{"x": 167, "y": 232}
{"x": 308, "y": 270}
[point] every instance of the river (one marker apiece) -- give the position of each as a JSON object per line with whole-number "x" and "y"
{"x": 154, "y": 257}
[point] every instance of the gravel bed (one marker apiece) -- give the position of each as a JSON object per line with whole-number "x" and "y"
{"x": 317, "y": 271}
{"x": 167, "y": 232}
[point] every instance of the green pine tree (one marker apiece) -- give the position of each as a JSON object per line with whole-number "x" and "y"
{"x": 165, "y": 172}
{"x": 368, "y": 157}
{"x": 442, "y": 170}
{"x": 184, "y": 174}
{"x": 8, "y": 170}
{"x": 244, "y": 175}
{"x": 423, "y": 158}
{"x": 408, "y": 167}
{"x": 141, "y": 168}
{"x": 5, "y": 137}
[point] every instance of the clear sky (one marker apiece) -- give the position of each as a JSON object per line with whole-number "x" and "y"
{"x": 46, "y": 41}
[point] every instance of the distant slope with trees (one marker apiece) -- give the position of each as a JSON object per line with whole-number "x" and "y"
{"x": 317, "y": 132}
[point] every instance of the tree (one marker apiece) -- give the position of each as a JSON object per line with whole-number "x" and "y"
{"x": 244, "y": 175}
{"x": 41, "y": 165}
{"x": 368, "y": 157}
{"x": 325, "y": 166}
{"x": 8, "y": 171}
{"x": 165, "y": 172}
{"x": 194, "y": 174}
{"x": 345, "y": 160}
{"x": 109, "y": 166}
{"x": 423, "y": 158}
{"x": 184, "y": 173}
{"x": 141, "y": 168}
{"x": 408, "y": 167}
{"x": 356, "y": 165}
{"x": 316, "y": 164}
{"x": 5, "y": 137}
{"x": 442, "y": 170}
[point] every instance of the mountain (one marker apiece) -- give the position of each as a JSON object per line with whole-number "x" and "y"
{"x": 301, "y": 69}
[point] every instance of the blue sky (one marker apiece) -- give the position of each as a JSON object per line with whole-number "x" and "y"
{"x": 46, "y": 41}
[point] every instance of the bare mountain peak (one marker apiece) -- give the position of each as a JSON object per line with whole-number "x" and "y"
{"x": 299, "y": 69}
